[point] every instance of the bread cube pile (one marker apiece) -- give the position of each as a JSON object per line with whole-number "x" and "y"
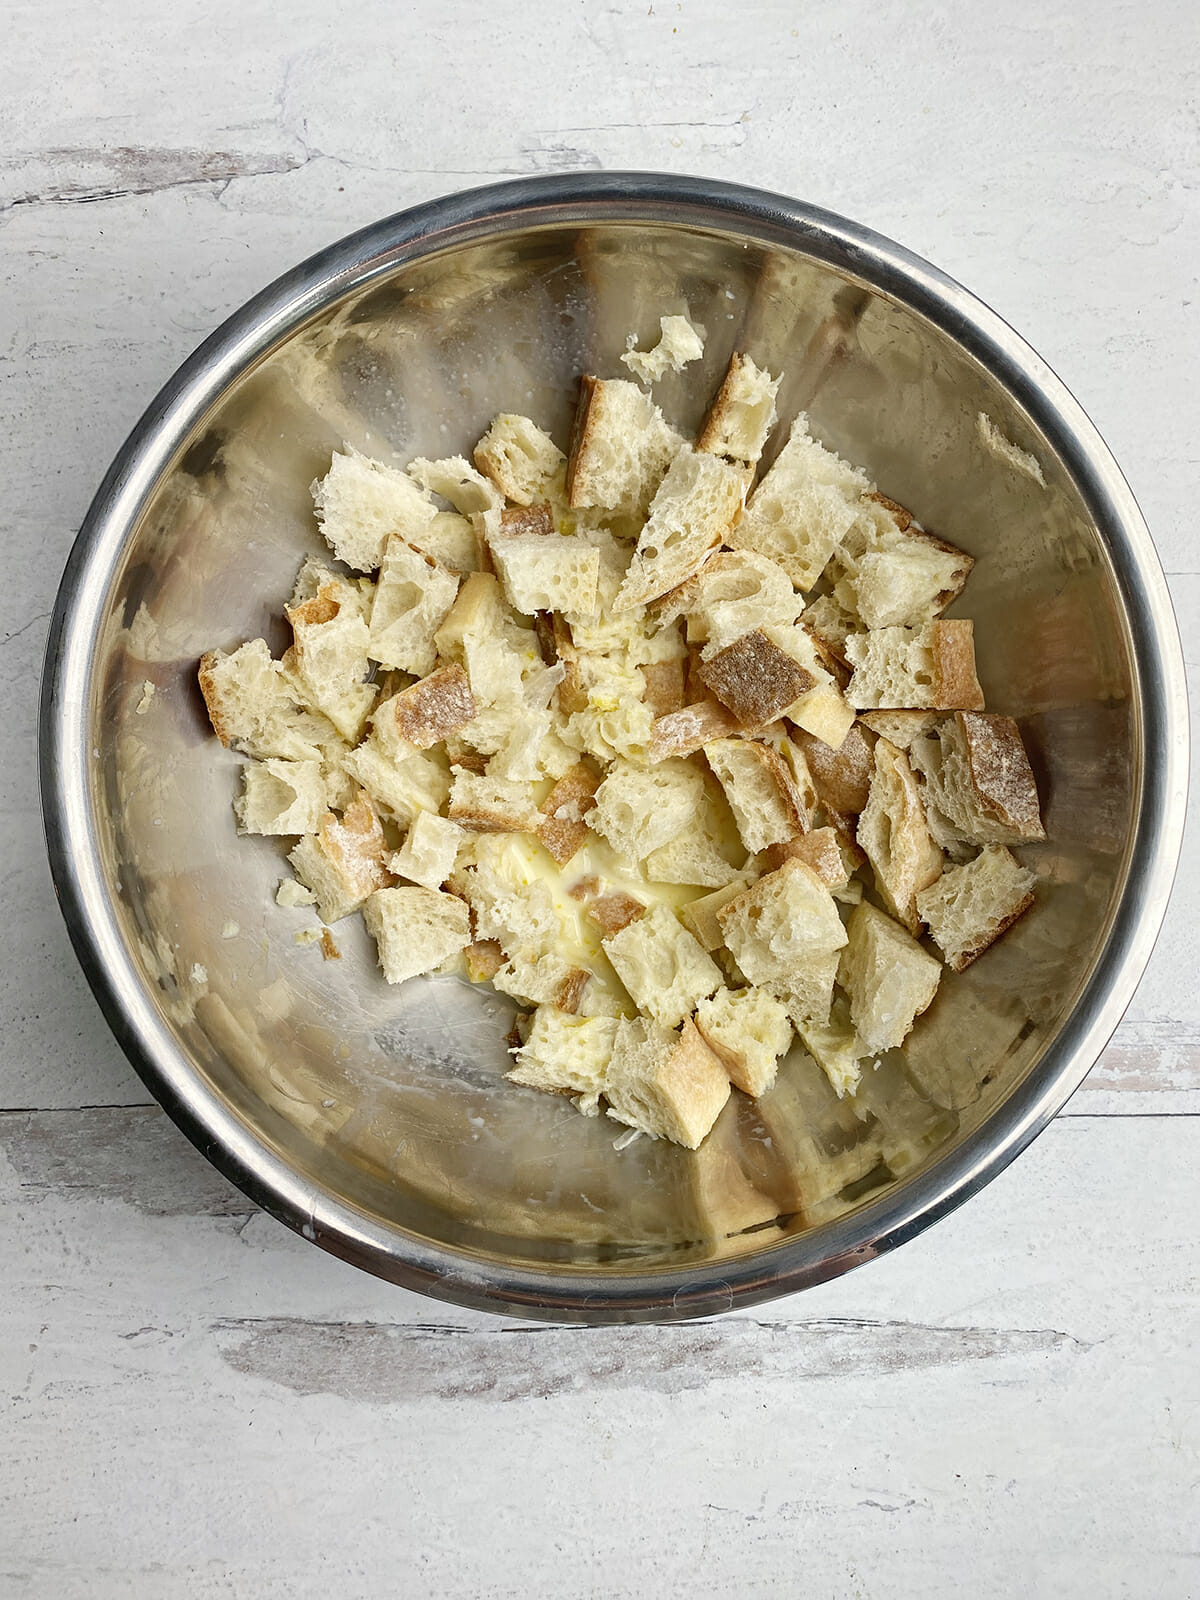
{"x": 681, "y": 755}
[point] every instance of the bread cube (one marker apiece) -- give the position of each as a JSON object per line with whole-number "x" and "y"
{"x": 760, "y": 791}
{"x": 662, "y": 966}
{"x": 784, "y": 932}
{"x": 700, "y": 918}
{"x": 547, "y": 573}
{"x": 888, "y": 977}
{"x": 639, "y": 808}
{"x": 742, "y": 413}
{"x": 749, "y": 1030}
{"x": 931, "y": 666}
{"x": 970, "y": 906}
{"x": 696, "y": 505}
{"x": 416, "y": 930}
{"x": 822, "y": 850}
{"x": 669, "y": 1085}
{"x": 895, "y": 835}
{"x": 450, "y": 540}
{"x": 254, "y": 705}
{"x": 412, "y": 601}
{"x": 977, "y": 776}
{"x": 456, "y": 480}
{"x": 486, "y": 804}
{"x": 566, "y": 1054}
{"x": 733, "y": 592}
{"x": 562, "y": 829}
{"x": 328, "y": 659}
{"x": 361, "y": 504}
{"x": 893, "y": 573}
{"x": 802, "y": 508}
{"x": 841, "y": 777}
{"x": 399, "y": 778}
{"x": 835, "y": 1047}
{"x": 691, "y": 856}
{"x": 620, "y": 448}
{"x": 756, "y": 679}
{"x": 683, "y": 732}
{"x": 280, "y": 797}
{"x": 427, "y": 854}
{"x": 343, "y": 861}
{"x": 519, "y": 457}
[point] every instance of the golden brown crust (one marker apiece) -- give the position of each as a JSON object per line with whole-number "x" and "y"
{"x": 903, "y": 518}
{"x": 526, "y": 521}
{"x": 570, "y": 989}
{"x": 664, "y": 682}
{"x": 435, "y": 707}
{"x": 574, "y": 794}
{"x": 612, "y": 912}
{"x": 354, "y": 843}
{"x": 484, "y": 958}
{"x": 755, "y": 679}
{"x": 957, "y": 687}
{"x": 819, "y": 850}
{"x": 584, "y": 888}
{"x": 328, "y": 948}
{"x": 712, "y": 426}
{"x": 322, "y": 607}
{"x": 206, "y": 675}
{"x": 681, "y": 733}
{"x": 842, "y": 777}
{"x": 1000, "y": 772}
{"x": 581, "y": 436}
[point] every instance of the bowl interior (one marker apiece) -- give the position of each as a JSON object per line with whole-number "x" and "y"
{"x": 392, "y": 1099}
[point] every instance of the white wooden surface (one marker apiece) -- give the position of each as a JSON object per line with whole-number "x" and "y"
{"x": 193, "y": 1402}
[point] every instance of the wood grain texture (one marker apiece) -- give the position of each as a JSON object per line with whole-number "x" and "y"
{"x": 193, "y": 1402}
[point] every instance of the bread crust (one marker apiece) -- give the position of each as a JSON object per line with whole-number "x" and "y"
{"x": 683, "y": 732}
{"x": 755, "y": 679}
{"x": 1000, "y": 772}
{"x": 574, "y": 794}
{"x": 435, "y": 707}
{"x": 957, "y": 687}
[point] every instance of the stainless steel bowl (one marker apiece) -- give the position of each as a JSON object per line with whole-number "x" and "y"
{"x": 373, "y": 1120}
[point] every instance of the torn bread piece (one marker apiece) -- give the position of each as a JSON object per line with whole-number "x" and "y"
{"x": 755, "y": 679}
{"x": 822, "y": 850}
{"x": 760, "y": 791}
{"x": 433, "y": 708}
{"x": 830, "y": 625}
{"x": 398, "y": 777}
{"x": 679, "y": 343}
{"x": 696, "y": 505}
{"x": 749, "y": 1030}
{"x": 485, "y": 804}
{"x": 888, "y": 977}
{"x": 566, "y": 1054}
{"x": 692, "y": 856}
{"x": 821, "y": 710}
{"x": 519, "y": 457}
{"x": 700, "y": 918}
{"x": 902, "y": 727}
{"x": 895, "y": 835}
{"x": 456, "y": 480}
{"x": 784, "y": 932}
{"x": 254, "y": 705}
{"x": 328, "y": 657}
{"x": 662, "y": 966}
{"x": 742, "y": 413}
{"x": 412, "y": 601}
{"x": 280, "y": 797}
{"x": 482, "y": 959}
{"x": 802, "y": 508}
{"x": 970, "y": 906}
{"x": 620, "y": 448}
{"x": 546, "y": 979}
{"x": 450, "y": 540}
{"x": 342, "y": 862}
{"x": 562, "y": 828}
{"x": 835, "y": 1047}
{"x": 361, "y": 504}
{"x": 427, "y": 855}
{"x": 932, "y": 666}
{"x": 664, "y": 681}
{"x": 733, "y": 592}
{"x": 639, "y": 808}
{"x": 416, "y": 930}
{"x": 683, "y": 732}
{"x": 616, "y": 910}
{"x": 978, "y": 779}
{"x": 669, "y": 1085}
{"x": 841, "y": 777}
{"x": 546, "y": 573}
{"x": 894, "y": 574}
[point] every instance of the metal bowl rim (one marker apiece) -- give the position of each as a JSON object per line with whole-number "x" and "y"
{"x": 567, "y": 1293}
